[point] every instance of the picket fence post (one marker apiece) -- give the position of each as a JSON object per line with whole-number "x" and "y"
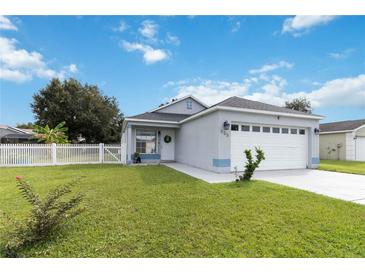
{"x": 101, "y": 152}
{"x": 54, "y": 153}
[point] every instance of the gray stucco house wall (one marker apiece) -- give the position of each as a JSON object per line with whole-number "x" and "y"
{"x": 197, "y": 142}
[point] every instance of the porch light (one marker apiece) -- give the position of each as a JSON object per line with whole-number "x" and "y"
{"x": 226, "y": 125}
{"x": 316, "y": 131}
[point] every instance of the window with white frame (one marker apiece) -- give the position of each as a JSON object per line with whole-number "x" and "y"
{"x": 234, "y": 127}
{"x": 302, "y": 131}
{"x": 266, "y": 129}
{"x": 245, "y": 128}
{"x": 284, "y": 130}
{"x": 256, "y": 128}
{"x": 146, "y": 141}
{"x": 275, "y": 130}
{"x": 189, "y": 104}
{"x": 293, "y": 131}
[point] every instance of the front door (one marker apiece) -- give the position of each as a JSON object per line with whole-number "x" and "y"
{"x": 167, "y": 144}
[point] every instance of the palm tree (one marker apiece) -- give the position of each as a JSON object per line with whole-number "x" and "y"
{"x": 55, "y": 135}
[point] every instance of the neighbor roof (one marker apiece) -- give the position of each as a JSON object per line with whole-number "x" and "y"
{"x": 342, "y": 125}
{"x": 159, "y": 116}
{"x": 238, "y": 102}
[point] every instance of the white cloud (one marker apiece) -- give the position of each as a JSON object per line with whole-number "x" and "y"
{"x": 6, "y": 24}
{"x": 73, "y": 68}
{"x": 271, "y": 89}
{"x": 121, "y": 27}
{"x": 341, "y": 54}
{"x": 20, "y": 65}
{"x": 346, "y": 92}
{"x": 150, "y": 55}
{"x": 270, "y": 67}
{"x": 236, "y": 26}
{"x": 148, "y": 29}
{"x": 14, "y": 75}
{"x": 301, "y": 24}
{"x": 210, "y": 91}
{"x": 172, "y": 39}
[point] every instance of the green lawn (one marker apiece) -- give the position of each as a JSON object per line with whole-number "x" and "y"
{"x": 153, "y": 211}
{"x": 343, "y": 166}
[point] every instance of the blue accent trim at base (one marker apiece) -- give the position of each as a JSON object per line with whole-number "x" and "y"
{"x": 315, "y": 161}
{"x": 153, "y": 156}
{"x": 221, "y": 162}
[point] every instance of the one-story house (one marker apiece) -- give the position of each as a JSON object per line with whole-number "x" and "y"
{"x": 214, "y": 138}
{"x": 343, "y": 140}
{"x": 13, "y": 135}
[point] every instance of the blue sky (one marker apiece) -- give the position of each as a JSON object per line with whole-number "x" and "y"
{"x": 146, "y": 60}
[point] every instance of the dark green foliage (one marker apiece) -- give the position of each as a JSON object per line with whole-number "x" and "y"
{"x": 300, "y": 104}
{"x": 45, "y": 217}
{"x": 251, "y": 165}
{"x": 87, "y": 112}
{"x": 28, "y": 125}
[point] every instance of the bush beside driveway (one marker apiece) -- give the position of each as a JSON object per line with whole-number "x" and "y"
{"x": 154, "y": 211}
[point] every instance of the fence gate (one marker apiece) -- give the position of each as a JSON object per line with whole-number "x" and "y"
{"x": 112, "y": 154}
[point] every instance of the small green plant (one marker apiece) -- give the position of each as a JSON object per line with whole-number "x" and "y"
{"x": 45, "y": 217}
{"x": 251, "y": 165}
{"x": 49, "y": 135}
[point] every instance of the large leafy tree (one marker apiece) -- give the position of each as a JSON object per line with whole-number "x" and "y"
{"x": 300, "y": 104}
{"x": 85, "y": 110}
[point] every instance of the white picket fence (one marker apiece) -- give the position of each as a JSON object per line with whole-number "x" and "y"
{"x": 55, "y": 154}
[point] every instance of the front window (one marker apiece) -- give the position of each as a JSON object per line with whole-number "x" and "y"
{"x": 145, "y": 141}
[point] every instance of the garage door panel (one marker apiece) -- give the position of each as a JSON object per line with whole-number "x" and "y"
{"x": 282, "y": 151}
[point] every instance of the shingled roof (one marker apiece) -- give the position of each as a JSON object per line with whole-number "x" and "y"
{"x": 159, "y": 116}
{"x": 234, "y": 102}
{"x": 238, "y": 102}
{"x": 342, "y": 125}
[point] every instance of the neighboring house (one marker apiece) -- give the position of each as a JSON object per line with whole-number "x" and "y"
{"x": 13, "y": 135}
{"x": 214, "y": 138}
{"x": 343, "y": 140}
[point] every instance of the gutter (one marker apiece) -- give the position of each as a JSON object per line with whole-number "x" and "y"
{"x": 338, "y": 131}
{"x": 246, "y": 110}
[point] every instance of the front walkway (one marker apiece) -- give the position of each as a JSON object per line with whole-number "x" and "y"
{"x": 348, "y": 187}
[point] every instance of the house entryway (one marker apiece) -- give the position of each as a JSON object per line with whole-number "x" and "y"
{"x": 167, "y": 144}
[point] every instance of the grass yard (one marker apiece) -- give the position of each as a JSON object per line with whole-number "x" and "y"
{"x": 343, "y": 166}
{"x": 154, "y": 211}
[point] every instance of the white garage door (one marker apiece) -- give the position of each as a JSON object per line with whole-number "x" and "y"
{"x": 284, "y": 147}
{"x": 360, "y": 148}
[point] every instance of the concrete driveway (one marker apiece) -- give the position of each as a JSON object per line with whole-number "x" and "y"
{"x": 348, "y": 187}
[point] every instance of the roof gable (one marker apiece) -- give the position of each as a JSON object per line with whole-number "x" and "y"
{"x": 179, "y": 106}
